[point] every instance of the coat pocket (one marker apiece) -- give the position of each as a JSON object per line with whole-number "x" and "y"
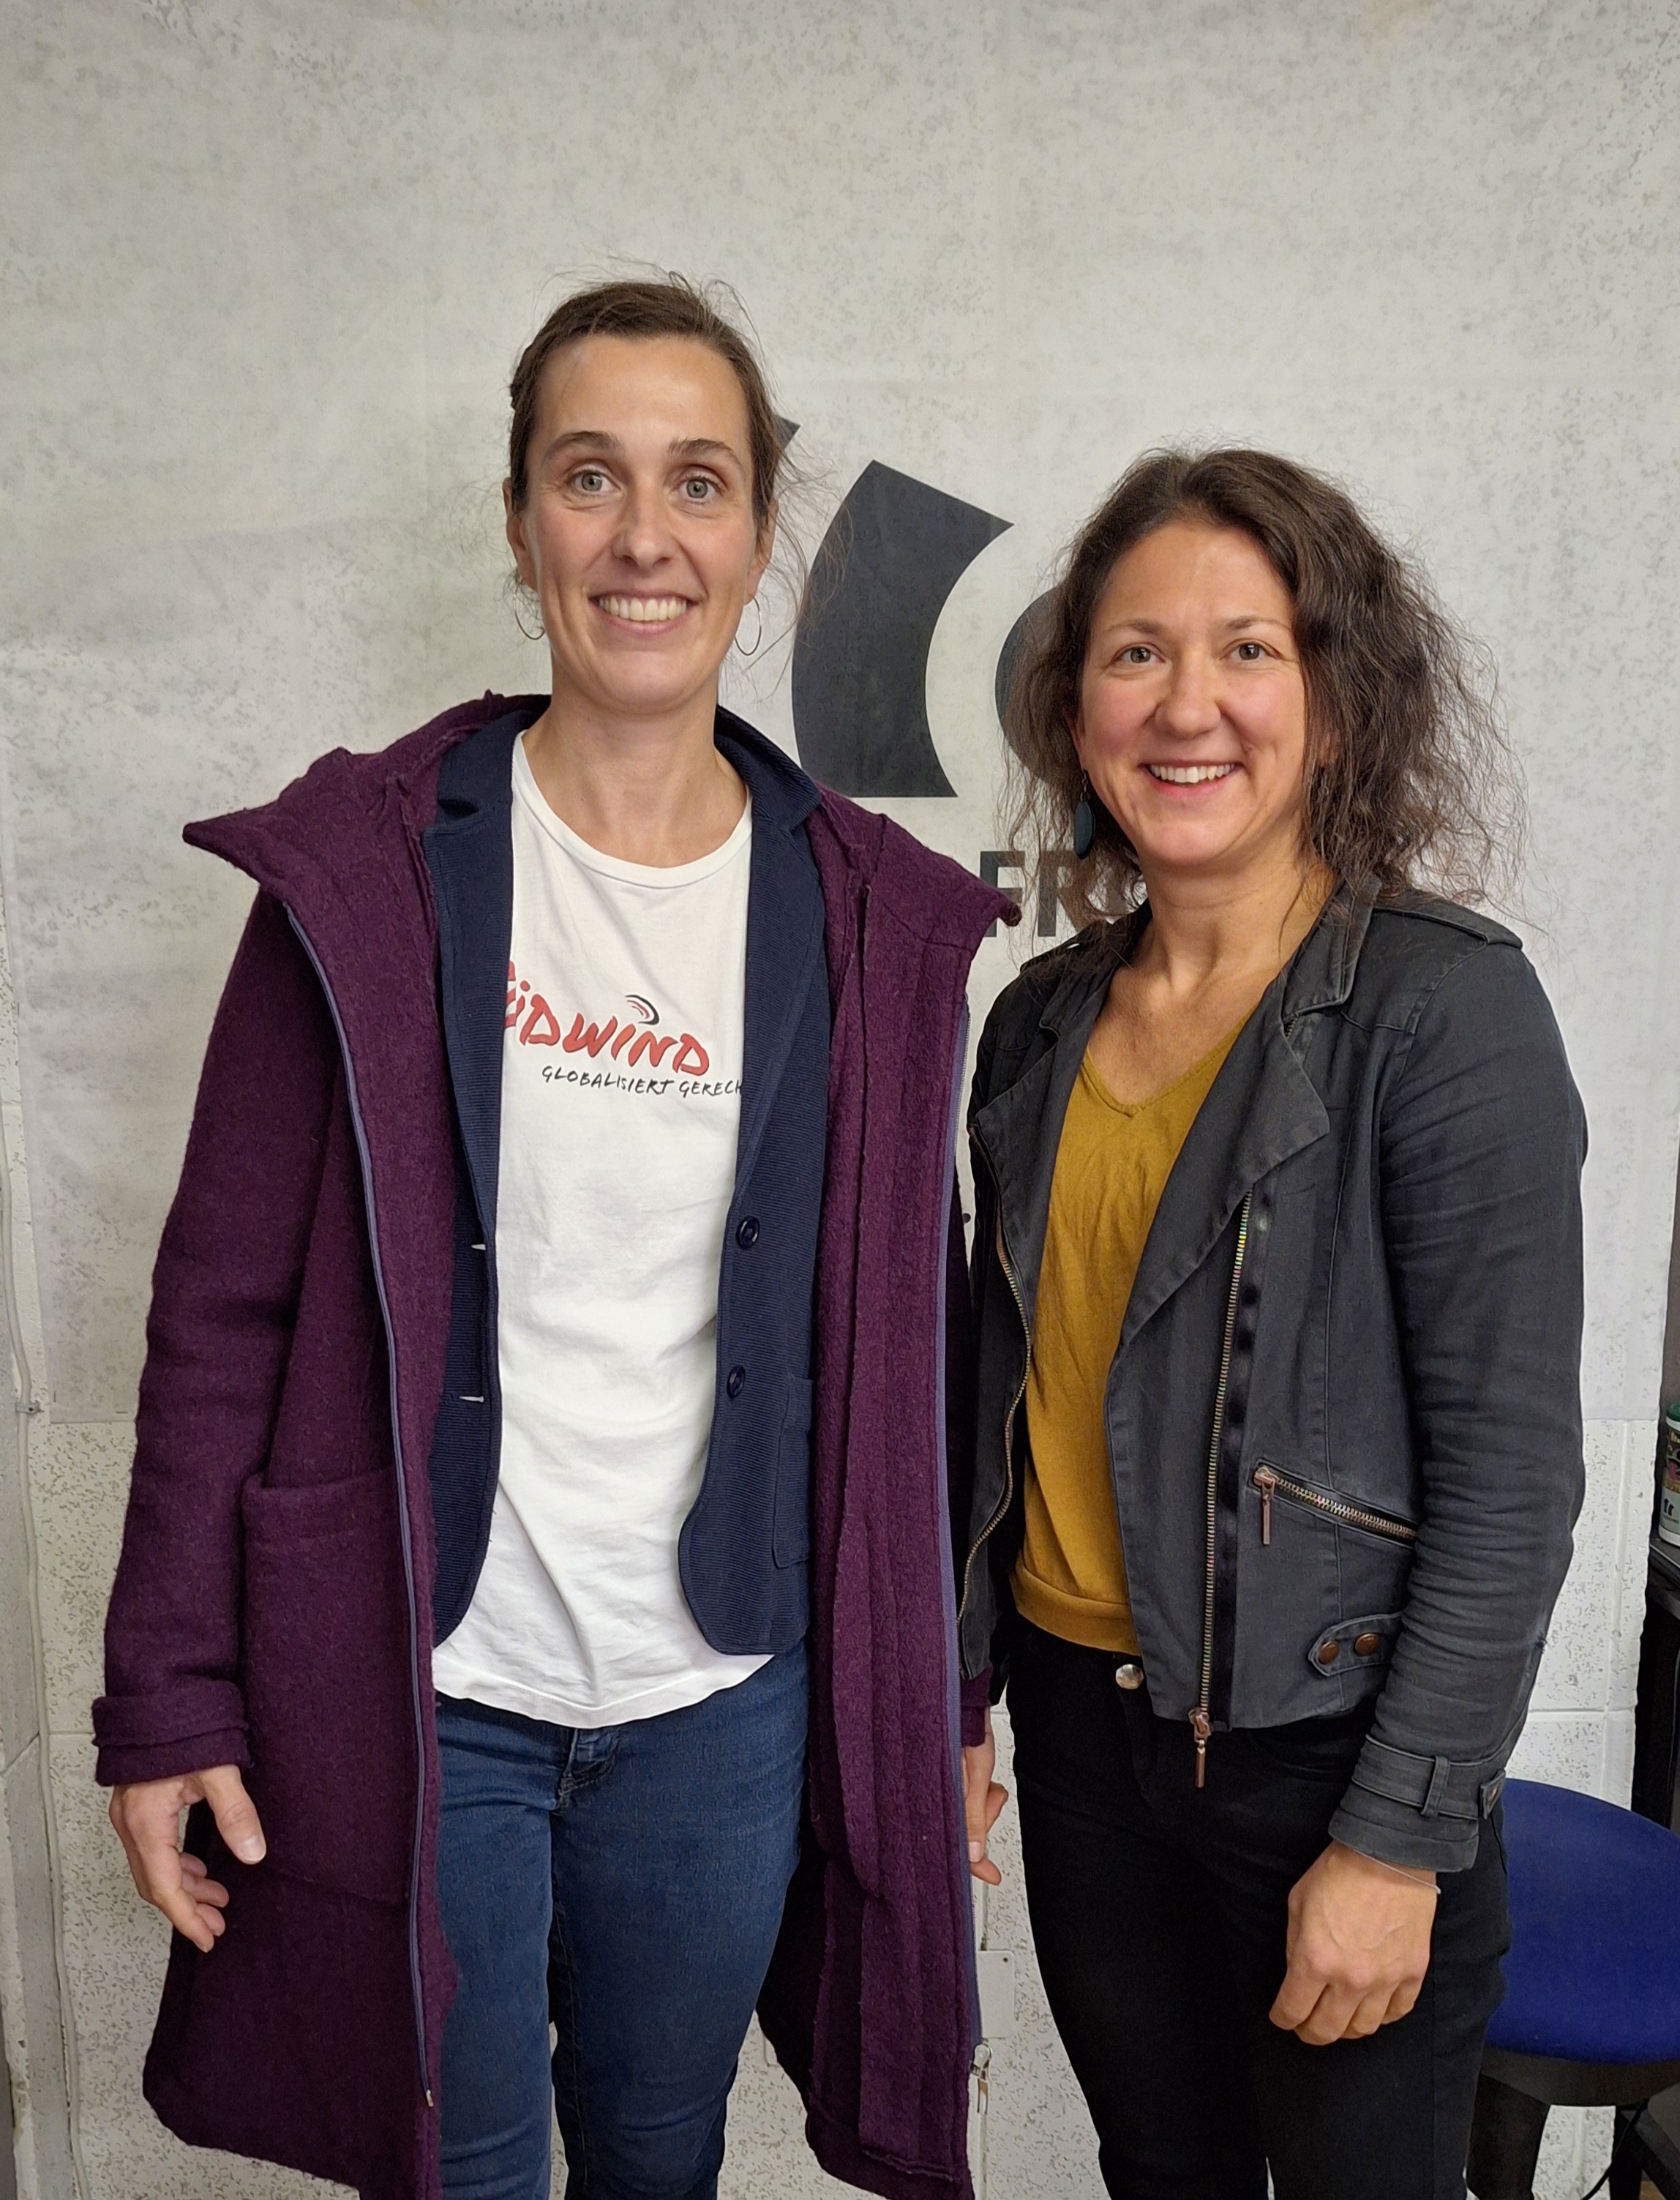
{"x": 1328, "y": 1504}
{"x": 790, "y": 1541}
{"x": 328, "y": 1690}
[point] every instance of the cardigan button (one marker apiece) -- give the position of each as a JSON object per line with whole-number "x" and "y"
{"x": 1367, "y": 1645}
{"x": 1328, "y": 1653}
{"x": 736, "y": 1381}
{"x": 746, "y": 1234}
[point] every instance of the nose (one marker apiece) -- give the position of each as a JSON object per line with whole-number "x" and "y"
{"x": 1191, "y": 705}
{"x": 643, "y": 537}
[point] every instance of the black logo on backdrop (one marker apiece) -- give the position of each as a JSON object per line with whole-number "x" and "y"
{"x": 894, "y": 553}
{"x": 897, "y": 549}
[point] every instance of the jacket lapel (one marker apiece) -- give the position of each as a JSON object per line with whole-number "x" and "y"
{"x": 1020, "y": 1131}
{"x": 469, "y": 856}
{"x": 784, "y": 923}
{"x": 1262, "y": 1109}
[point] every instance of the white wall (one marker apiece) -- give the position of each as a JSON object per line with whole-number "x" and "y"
{"x": 266, "y": 266}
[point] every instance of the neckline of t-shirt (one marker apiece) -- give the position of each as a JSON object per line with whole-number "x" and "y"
{"x": 1099, "y": 1085}
{"x": 549, "y": 821}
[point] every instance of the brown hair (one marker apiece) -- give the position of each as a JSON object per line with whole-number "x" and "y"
{"x": 1409, "y": 779}
{"x": 673, "y": 306}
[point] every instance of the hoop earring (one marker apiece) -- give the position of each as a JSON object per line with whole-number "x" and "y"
{"x": 541, "y": 631}
{"x": 1084, "y": 821}
{"x": 752, "y": 603}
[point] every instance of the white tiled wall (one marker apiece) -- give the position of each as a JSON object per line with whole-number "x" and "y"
{"x": 1580, "y": 1724}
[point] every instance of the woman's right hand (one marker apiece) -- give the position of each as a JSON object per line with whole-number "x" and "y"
{"x": 147, "y": 1816}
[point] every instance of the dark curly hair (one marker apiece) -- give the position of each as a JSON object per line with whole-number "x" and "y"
{"x": 1410, "y": 782}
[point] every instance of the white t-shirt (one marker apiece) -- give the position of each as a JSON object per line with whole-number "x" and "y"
{"x": 620, "y": 1102}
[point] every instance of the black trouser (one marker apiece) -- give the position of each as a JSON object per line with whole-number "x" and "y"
{"x": 1159, "y": 1915}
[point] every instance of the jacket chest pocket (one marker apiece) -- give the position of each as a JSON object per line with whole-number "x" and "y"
{"x": 1286, "y": 1489}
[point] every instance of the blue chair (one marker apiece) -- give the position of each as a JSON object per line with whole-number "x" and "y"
{"x": 1591, "y": 2013}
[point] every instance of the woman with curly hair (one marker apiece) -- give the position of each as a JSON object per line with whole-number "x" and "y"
{"x": 1277, "y": 1291}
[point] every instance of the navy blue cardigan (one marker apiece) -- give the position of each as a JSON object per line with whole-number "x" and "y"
{"x": 744, "y": 1547}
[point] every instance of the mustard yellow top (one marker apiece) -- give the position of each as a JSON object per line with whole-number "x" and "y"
{"x": 1111, "y": 1166}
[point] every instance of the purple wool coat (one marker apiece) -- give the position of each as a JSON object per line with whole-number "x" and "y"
{"x": 271, "y": 1607}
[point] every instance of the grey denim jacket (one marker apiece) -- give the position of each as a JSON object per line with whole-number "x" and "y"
{"x": 1343, "y": 1415}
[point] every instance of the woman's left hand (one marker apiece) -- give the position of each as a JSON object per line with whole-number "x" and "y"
{"x": 983, "y": 1798}
{"x": 1358, "y": 1946}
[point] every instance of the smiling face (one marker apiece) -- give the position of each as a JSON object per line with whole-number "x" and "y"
{"x": 1192, "y": 714}
{"x": 637, "y": 534}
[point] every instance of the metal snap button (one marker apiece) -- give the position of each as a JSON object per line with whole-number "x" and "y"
{"x": 1328, "y": 1653}
{"x": 1367, "y": 1645}
{"x": 1129, "y": 1675}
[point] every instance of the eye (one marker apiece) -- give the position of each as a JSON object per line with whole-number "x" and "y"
{"x": 590, "y": 480}
{"x": 1135, "y": 652}
{"x": 1249, "y": 652}
{"x": 699, "y": 488}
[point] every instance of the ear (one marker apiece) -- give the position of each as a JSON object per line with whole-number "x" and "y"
{"x": 1075, "y": 726}
{"x": 766, "y": 544}
{"x": 514, "y": 526}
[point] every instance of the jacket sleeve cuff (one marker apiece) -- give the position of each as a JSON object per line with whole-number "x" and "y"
{"x": 976, "y": 1697}
{"x": 170, "y": 1760}
{"x": 1408, "y": 1809}
{"x": 183, "y": 1728}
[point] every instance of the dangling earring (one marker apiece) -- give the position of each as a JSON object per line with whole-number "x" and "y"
{"x": 1084, "y": 820}
{"x": 752, "y": 603}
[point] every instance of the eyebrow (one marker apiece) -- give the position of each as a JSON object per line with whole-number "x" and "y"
{"x": 598, "y": 439}
{"x": 1226, "y": 626}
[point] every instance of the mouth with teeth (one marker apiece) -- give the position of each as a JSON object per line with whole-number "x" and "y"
{"x": 1188, "y": 774}
{"x": 643, "y": 611}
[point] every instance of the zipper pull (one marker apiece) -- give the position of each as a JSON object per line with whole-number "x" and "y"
{"x": 982, "y": 2067}
{"x": 1265, "y": 1482}
{"x": 1201, "y": 1726}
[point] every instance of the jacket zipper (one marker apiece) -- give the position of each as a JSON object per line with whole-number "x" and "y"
{"x": 1008, "y": 1267}
{"x": 948, "y": 1567}
{"x": 404, "y": 1525}
{"x": 1270, "y": 1483}
{"x": 1201, "y": 1722}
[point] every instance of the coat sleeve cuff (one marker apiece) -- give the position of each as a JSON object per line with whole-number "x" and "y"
{"x": 1425, "y": 1811}
{"x": 170, "y": 1760}
{"x": 183, "y": 1728}
{"x": 1394, "y": 1837}
{"x": 976, "y": 1695}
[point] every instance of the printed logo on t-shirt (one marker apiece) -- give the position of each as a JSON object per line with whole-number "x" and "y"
{"x": 632, "y": 1042}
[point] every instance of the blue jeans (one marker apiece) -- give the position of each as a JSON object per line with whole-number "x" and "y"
{"x": 625, "y": 1884}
